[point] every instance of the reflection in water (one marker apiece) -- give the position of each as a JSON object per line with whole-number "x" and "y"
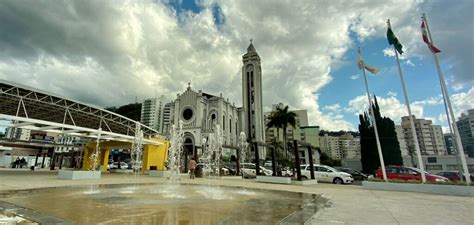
{"x": 171, "y": 205}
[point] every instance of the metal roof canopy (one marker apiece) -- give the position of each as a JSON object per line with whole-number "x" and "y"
{"x": 34, "y": 109}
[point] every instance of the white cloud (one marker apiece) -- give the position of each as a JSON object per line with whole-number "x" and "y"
{"x": 442, "y": 118}
{"x": 409, "y": 62}
{"x": 462, "y": 102}
{"x": 388, "y": 51}
{"x": 431, "y": 101}
{"x": 445, "y": 129}
{"x": 391, "y": 94}
{"x": 354, "y": 77}
{"x": 333, "y": 108}
{"x": 112, "y": 51}
{"x": 389, "y": 107}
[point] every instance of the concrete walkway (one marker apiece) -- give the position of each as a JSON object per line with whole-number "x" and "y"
{"x": 349, "y": 204}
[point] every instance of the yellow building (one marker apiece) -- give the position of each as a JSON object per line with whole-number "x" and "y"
{"x": 153, "y": 155}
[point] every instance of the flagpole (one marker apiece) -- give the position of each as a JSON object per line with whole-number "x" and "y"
{"x": 374, "y": 122}
{"x": 412, "y": 123}
{"x": 446, "y": 96}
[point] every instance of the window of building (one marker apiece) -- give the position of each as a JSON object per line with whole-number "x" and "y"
{"x": 223, "y": 122}
{"x": 432, "y": 160}
{"x": 434, "y": 167}
{"x": 451, "y": 167}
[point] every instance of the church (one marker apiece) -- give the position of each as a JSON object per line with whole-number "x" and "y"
{"x": 200, "y": 111}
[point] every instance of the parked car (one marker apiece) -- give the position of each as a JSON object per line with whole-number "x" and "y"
{"x": 324, "y": 173}
{"x": 232, "y": 170}
{"x": 114, "y": 165}
{"x": 454, "y": 175}
{"x": 357, "y": 175}
{"x": 287, "y": 172}
{"x": 248, "y": 170}
{"x": 206, "y": 170}
{"x": 408, "y": 173}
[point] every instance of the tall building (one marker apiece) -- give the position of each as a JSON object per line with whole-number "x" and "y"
{"x": 466, "y": 131}
{"x": 253, "y": 121}
{"x": 152, "y": 113}
{"x": 430, "y": 137}
{"x": 310, "y": 135}
{"x": 340, "y": 147}
{"x": 167, "y": 118}
{"x": 18, "y": 133}
{"x": 448, "y": 140}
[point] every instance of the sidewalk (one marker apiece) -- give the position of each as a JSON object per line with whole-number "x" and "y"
{"x": 349, "y": 204}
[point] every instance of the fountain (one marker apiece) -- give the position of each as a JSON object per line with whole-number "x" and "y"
{"x": 93, "y": 171}
{"x": 137, "y": 152}
{"x": 94, "y": 157}
{"x": 213, "y": 151}
{"x": 175, "y": 151}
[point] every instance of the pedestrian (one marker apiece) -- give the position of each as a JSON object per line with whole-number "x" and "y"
{"x": 192, "y": 167}
{"x": 22, "y": 162}
{"x": 17, "y": 162}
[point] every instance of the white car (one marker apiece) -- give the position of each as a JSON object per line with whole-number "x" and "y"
{"x": 324, "y": 173}
{"x": 114, "y": 165}
{"x": 248, "y": 170}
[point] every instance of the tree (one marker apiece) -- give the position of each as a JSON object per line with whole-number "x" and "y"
{"x": 131, "y": 111}
{"x": 324, "y": 159}
{"x": 388, "y": 141}
{"x": 282, "y": 118}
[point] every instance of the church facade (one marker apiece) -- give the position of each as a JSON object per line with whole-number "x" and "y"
{"x": 201, "y": 111}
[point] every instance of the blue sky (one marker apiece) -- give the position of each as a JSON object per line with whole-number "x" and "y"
{"x": 423, "y": 71}
{"x": 122, "y": 50}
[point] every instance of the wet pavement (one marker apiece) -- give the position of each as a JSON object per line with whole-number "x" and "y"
{"x": 347, "y": 204}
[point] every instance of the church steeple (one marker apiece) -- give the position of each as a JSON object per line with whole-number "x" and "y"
{"x": 251, "y": 48}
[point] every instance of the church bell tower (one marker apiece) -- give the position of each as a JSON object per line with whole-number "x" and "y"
{"x": 252, "y": 96}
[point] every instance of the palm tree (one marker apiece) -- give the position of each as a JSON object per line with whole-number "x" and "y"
{"x": 275, "y": 122}
{"x": 281, "y": 118}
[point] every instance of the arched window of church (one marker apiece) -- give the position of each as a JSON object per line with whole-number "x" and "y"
{"x": 230, "y": 125}
{"x": 213, "y": 120}
{"x": 223, "y": 122}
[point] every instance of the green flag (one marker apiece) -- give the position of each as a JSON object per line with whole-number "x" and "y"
{"x": 393, "y": 40}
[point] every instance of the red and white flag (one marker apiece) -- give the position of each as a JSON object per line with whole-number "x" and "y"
{"x": 424, "y": 34}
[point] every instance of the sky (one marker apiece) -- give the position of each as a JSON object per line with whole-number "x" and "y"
{"x": 109, "y": 53}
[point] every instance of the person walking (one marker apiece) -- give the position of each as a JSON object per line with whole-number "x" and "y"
{"x": 192, "y": 167}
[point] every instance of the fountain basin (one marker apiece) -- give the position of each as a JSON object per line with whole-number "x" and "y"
{"x": 169, "y": 205}
{"x": 274, "y": 180}
{"x": 79, "y": 175}
{"x": 304, "y": 182}
{"x": 159, "y": 173}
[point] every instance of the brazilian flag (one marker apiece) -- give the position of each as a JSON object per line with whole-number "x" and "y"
{"x": 393, "y": 40}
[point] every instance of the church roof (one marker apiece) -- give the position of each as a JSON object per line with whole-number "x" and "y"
{"x": 251, "y": 48}
{"x": 208, "y": 96}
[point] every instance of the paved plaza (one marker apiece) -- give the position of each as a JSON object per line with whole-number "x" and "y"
{"x": 348, "y": 204}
